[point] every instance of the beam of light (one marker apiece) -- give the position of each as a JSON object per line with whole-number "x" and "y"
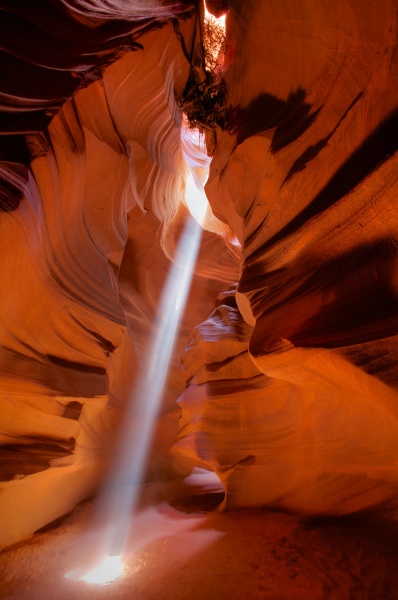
{"x": 196, "y": 204}
{"x": 149, "y": 389}
{"x": 194, "y": 152}
{"x": 114, "y": 509}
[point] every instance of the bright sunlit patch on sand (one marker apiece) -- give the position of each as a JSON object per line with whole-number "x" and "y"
{"x": 109, "y": 569}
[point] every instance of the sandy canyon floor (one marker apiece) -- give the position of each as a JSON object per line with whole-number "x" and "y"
{"x": 182, "y": 548}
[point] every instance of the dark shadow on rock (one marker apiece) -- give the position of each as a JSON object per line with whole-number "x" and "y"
{"x": 198, "y": 504}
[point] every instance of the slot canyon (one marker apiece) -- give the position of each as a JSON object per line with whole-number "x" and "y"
{"x": 199, "y": 298}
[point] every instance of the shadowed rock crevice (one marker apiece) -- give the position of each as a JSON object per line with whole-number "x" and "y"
{"x": 32, "y": 456}
{"x": 290, "y": 118}
{"x": 377, "y": 148}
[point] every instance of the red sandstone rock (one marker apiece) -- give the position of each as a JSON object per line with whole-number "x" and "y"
{"x": 88, "y": 259}
{"x": 291, "y": 383}
{"x": 305, "y": 173}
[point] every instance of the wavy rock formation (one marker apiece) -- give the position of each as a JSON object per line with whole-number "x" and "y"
{"x": 289, "y": 388}
{"x": 305, "y": 173}
{"x": 84, "y": 264}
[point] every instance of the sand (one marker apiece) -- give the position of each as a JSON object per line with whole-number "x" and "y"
{"x": 180, "y": 547}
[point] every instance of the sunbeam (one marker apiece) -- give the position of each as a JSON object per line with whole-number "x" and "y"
{"x": 116, "y": 508}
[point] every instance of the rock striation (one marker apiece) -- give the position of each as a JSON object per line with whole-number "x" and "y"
{"x": 89, "y": 226}
{"x": 304, "y": 171}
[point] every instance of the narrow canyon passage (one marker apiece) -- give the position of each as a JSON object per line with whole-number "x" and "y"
{"x": 199, "y": 298}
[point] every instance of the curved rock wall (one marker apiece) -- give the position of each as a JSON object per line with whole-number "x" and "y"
{"x": 305, "y": 172}
{"x": 87, "y": 245}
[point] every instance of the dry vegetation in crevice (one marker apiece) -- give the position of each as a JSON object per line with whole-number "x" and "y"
{"x": 204, "y": 98}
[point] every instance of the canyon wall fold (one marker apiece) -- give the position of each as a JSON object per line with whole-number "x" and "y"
{"x": 89, "y": 227}
{"x": 305, "y": 172}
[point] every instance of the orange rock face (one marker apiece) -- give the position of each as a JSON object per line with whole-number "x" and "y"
{"x": 305, "y": 173}
{"x": 88, "y": 232}
{"x": 289, "y": 387}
